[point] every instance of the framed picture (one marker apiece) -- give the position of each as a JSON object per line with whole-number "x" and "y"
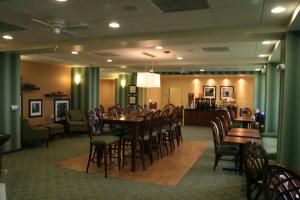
{"x": 226, "y": 92}
{"x": 35, "y": 107}
{"x": 132, "y": 89}
{"x": 209, "y": 91}
{"x": 60, "y": 106}
{"x": 132, "y": 100}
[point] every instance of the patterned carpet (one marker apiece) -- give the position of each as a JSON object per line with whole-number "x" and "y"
{"x": 31, "y": 174}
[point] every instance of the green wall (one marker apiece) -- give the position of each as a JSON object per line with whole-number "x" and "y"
{"x": 272, "y": 99}
{"x": 86, "y": 94}
{"x": 289, "y": 130}
{"x": 259, "y": 91}
{"x": 122, "y": 93}
{"x": 10, "y": 94}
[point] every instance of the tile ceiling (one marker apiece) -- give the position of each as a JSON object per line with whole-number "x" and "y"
{"x": 239, "y": 25}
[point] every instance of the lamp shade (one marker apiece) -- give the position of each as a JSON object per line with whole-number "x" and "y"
{"x": 148, "y": 80}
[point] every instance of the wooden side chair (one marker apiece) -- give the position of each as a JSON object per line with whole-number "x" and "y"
{"x": 281, "y": 183}
{"x": 102, "y": 141}
{"x": 145, "y": 136}
{"x": 164, "y": 124}
{"x": 256, "y": 161}
{"x": 223, "y": 150}
{"x": 179, "y": 122}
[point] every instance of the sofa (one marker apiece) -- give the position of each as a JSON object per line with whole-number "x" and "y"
{"x": 76, "y": 121}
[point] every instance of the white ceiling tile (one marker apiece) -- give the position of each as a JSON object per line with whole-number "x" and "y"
{"x": 282, "y": 19}
{"x": 232, "y": 3}
{"x": 238, "y": 16}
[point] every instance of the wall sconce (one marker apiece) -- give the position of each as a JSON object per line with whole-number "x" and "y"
{"x": 77, "y": 79}
{"x": 123, "y": 83}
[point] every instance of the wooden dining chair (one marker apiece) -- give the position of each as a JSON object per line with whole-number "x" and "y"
{"x": 256, "y": 161}
{"x": 164, "y": 126}
{"x": 102, "y": 141}
{"x": 222, "y": 150}
{"x": 144, "y": 136}
{"x": 179, "y": 123}
{"x": 281, "y": 183}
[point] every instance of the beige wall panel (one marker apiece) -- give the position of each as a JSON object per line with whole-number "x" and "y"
{"x": 107, "y": 93}
{"x": 49, "y": 78}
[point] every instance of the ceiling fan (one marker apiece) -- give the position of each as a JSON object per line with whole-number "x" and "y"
{"x": 59, "y": 25}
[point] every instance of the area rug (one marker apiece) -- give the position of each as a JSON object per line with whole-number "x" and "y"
{"x": 168, "y": 170}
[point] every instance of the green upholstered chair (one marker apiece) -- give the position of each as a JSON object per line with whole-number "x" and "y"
{"x": 76, "y": 121}
{"x": 32, "y": 134}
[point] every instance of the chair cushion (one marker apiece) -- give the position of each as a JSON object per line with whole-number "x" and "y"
{"x": 104, "y": 139}
{"x": 227, "y": 149}
{"x": 78, "y": 123}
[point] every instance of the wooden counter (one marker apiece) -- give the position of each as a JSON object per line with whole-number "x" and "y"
{"x": 199, "y": 118}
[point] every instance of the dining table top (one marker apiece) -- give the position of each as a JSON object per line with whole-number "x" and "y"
{"x": 244, "y": 132}
{"x": 135, "y": 117}
{"x": 241, "y": 140}
{"x": 244, "y": 119}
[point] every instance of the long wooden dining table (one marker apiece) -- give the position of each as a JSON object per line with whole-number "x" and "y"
{"x": 241, "y": 141}
{"x": 244, "y": 132}
{"x": 245, "y": 120}
{"x": 133, "y": 120}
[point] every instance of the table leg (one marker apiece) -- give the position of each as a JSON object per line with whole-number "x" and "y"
{"x": 133, "y": 148}
{"x": 241, "y": 150}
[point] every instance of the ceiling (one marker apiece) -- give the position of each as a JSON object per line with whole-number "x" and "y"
{"x": 224, "y": 35}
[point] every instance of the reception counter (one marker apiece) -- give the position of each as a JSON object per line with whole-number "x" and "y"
{"x": 199, "y": 117}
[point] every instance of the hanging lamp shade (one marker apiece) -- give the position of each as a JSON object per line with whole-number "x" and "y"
{"x": 148, "y": 80}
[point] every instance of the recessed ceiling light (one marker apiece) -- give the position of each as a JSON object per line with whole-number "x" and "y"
{"x": 278, "y": 9}
{"x": 257, "y": 69}
{"x": 202, "y": 70}
{"x": 263, "y": 55}
{"x": 7, "y": 37}
{"x": 114, "y": 25}
{"x": 109, "y": 60}
{"x": 179, "y": 58}
{"x": 158, "y": 47}
{"x": 74, "y": 52}
{"x": 268, "y": 42}
{"x": 123, "y": 66}
{"x": 61, "y": 0}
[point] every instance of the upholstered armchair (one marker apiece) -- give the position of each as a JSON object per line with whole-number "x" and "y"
{"x": 32, "y": 134}
{"x": 76, "y": 121}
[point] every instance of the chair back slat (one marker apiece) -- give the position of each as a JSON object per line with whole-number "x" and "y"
{"x": 216, "y": 134}
{"x": 281, "y": 183}
{"x": 255, "y": 159}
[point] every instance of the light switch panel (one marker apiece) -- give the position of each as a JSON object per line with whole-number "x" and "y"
{"x": 14, "y": 107}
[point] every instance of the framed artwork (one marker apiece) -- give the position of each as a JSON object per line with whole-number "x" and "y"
{"x": 132, "y": 89}
{"x": 60, "y": 106}
{"x": 226, "y": 92}
{"x": 132, "y": 100}
{"x": 209, "y": 91}
{"x": 35, "y": 107}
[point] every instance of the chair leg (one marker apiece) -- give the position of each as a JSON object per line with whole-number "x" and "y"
{"x": 160, "y": 144}
{"x": 216, "y": 162}
{"x": 123, "y": 153}
{"x": 142, "y": 154}
{"x": 105, "y": 160}
{"x": 165, "y": 143}
{"x": 110, "y": 154}
{"x": 90, "y": 154}
{"x": 177, "y": 135}
{"x": 150, "y": 150}
{"x": 119, "y": 154}
{"x": 157, "y": 146}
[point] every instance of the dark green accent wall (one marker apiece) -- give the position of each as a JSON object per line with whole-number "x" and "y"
{"x": 10, "y": 94}
{"x": 272, "y": 99}
{"x": 289, "y": 131}
{"x": 259, "y": 91}
{"x": 85, "y": 95}
{"x": 122, "y": 93}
